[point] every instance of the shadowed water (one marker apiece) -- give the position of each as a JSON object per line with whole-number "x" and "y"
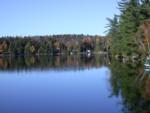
{"x": 72, "y": 84}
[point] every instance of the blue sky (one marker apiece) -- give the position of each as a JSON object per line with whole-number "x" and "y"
{"x": 47, "y": 17}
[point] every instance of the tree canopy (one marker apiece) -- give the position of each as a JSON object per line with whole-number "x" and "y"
{"x": 123, "y": 28}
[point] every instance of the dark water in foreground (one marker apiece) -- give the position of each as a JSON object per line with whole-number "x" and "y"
{"x": 72, "y": 85}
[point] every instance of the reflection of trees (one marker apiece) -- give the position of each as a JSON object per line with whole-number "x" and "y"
{"x": 52, "y": 62}
{"x": 88, "y": 61}
{"x": 29, "y": 61}
{"x": 126, "y": 82}
{"x": 144, "y": 80}
{"x": 3, "y": 63}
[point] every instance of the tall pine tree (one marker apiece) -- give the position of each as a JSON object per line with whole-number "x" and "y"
{"x": 128, "y": 25}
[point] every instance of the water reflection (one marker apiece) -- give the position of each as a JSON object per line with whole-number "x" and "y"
{"x": 62, "y": 62}
{"x": 131, "y": 81}
{"x": 93, "y": 90}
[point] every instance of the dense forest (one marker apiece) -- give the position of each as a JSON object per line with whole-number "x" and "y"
{"x": 52, "y": 45}
{"x": 129, "y": 32}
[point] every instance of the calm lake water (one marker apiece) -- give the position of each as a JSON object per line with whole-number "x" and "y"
{"x": 79, "y": 84}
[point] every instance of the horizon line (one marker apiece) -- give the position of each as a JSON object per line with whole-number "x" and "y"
{"x": 2, "y": 36}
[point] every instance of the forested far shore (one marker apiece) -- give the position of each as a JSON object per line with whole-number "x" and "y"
{"x": 52, "y": 45}
{"x": 128, "y": 34}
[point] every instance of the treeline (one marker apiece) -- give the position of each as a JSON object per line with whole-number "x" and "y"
{"x": 129, "y": 32}
{"x": 51, "y": 45}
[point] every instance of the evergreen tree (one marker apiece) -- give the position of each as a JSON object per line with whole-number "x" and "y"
{"x": 145, "y": 11}
{"x": 123, "y": 29}
{"x": 113, "y": 34}
{"x": 112, "y": 26}
{"x": 128, "y": 25}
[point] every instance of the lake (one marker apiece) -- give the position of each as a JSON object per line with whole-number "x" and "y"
{"x": 73, "y": 84}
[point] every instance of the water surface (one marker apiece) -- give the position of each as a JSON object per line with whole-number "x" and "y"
{"x": 71, "y": 85}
